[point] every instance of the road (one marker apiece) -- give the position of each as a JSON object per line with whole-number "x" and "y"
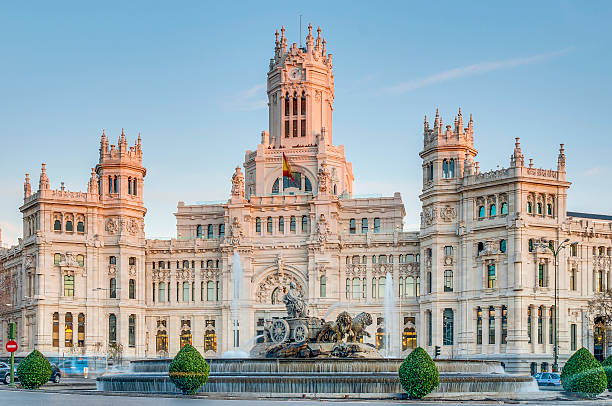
{"x": 26, "y": 398}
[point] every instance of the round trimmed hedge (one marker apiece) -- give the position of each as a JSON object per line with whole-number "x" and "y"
{"x": 584, "y": 374}
{"x": 607, "y": 367}
{"x": 34, "y": 370}
{"x": 418, "y": 374}
{"x": 188, "y": 371}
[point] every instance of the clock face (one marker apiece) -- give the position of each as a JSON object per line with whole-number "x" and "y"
{"x": 295, "y": 74}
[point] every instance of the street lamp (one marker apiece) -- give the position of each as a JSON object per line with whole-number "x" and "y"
{"x": 555, "y": 251}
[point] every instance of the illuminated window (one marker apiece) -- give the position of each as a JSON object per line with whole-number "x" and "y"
{"x": 55, "y": 336}
{"x": 161, "y": 341}
{"x": 491, "y": 325}
{"x": 57, "y": 259}
{"x": 491, "y": 276}
{"x": 69, "y": 285}
{"x": 68, "y": 330}
{"x": 478, "y": 325}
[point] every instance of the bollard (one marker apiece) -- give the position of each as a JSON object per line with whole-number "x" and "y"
{"x": 85, "y": 372}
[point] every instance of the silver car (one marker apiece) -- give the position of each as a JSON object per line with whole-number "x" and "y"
{"x": 547, "y": 379}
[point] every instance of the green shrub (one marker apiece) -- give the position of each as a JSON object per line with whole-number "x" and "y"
{"x": 34, "y": 370}
{"x": 418, "y": 374}
{"x": 607, "y": 367}
{"x": 584, "y": 374}
{"x": 188, "y": 371}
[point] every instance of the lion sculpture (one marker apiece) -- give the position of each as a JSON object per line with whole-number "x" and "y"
{"x": 334, "y": 331}
{"x": 358, "y": 327}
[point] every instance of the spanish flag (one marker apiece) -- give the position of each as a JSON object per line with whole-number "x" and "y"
{"x": 287, "y": 171}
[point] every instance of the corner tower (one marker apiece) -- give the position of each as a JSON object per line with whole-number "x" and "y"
{"x": 300, "y": 92}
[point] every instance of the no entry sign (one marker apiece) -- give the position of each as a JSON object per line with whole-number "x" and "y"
{"x": 11, "y": 346}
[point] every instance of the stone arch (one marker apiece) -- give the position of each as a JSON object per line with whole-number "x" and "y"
{"x": 271, "y": 177}
{"x": 273, "y": 279}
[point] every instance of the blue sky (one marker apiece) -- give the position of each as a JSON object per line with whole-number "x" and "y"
{"x": 190, "y": 76}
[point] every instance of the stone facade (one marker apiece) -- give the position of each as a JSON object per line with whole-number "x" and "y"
{"x": 473, "y": 280}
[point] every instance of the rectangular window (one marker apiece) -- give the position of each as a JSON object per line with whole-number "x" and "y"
{"x": 529, "y": 324}
{"x": 491, "y": 276}
{"x": 491, "y": 325}
{"x": 132, "y": 289}
{"x": 541, "y": 280}
{"x": 132, "y": 331}
{"x": 295, "y": 132}
{"x": 429, "y": 328}
{"x": 69, "y": 285}
{"x": 573, "y": 337}
{"x": 479, "y": 326}
{"x": 447, "y": 327}
{"x": 448, "y": 281}
{"x": 377, "y": 225}
{"x": 286, "y": 128}
{"x": 352, "y": 226}
{"x": 303, "y": 128}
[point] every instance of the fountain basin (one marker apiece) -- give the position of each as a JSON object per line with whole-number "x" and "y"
{"x": 378, "y": 377}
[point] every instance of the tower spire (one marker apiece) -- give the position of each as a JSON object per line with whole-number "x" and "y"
{"x": 517, "y": 159}
{"x": 43, "y": 182}
{"x": 561, "y": 159}
{"x": 27, "y": 188}
{"x": 309, "y": 39}
{"x": 460, "y": 122}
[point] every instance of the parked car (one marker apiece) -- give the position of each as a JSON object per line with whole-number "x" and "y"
{"x": 56, "y": 374}
{"x": 5, "y": 376}
{"x": 547, "y": 379}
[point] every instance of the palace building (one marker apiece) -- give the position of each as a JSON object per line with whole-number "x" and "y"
{"x": 476, "y": 280}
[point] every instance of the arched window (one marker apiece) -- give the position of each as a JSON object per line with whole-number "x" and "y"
{"x": 374, "y": 288}
{"x": 210, "y": 291}
{"x": 491, "y": 277}
{"x": 269, "y": 225}
{"x": 481, "y": 212}
{"x": 210, "y": 231}
{"x": 502, "y": 246}
{"x": 161, "y": 265}
{"x": 492, "y": 210}
{"x": 303, "y": 104}
{"x": 549, "y": 210}
{"x": 444, "y": 169}
{"x": 55, "y": 336}
{"x": 304, "y": 224}
{"x": 68, "y": 330}
{"x": 112, "y": 329}
{"x": 478, "y": 325}
{"x": 294, "y": 106}
{"x": 221, "y": 230}
{"x": 448, "y": 280}
{"x": 81, "y": 330}
{"x": 539, "y": 208}
{"x": 352, "y": 226}
{"x": 199, "y": 231}
{"x": 504, "y": 208}
{"x": 57, "y": 259}
{"x": 409, "y": 336}
{"x": 129, "y": 186}
{"x": 382, "y": 281}
{"x": 447, "y": 327}
{"x": 451, "y": 168}
{"x": 491, "y": 325}
{"x": 529, "y": 208}
{"x": 112, "y": 288}
{"x": 57, "y": 225}
{"x": 373, "y": 259}
{"x": 410, "y": 290}
{"x": 364, "y": 225}
{"x": 115, "y": 186}
{"x": 323, "y": 286}
{"x": 161, "y": 341}
{"x": 356, "y": 288}
{"x": 292, "y": 224}
{"x": 110, "y": 184}
{"x": 209, "y": 263}
{"x": 185, "y": 292}
{"x": 161, "y": 292}
{"x": 429, "y": 287}
{"x": 276, "y": 187}
{"x": 132, "y": 289}
{"x": 377, "y": 225}
{"x": 287, "y": 109}
{"x": 258, "y": 225}
{"x": 281, "y": 225}
{"x": 307, "y": 184}
{"x": 185, "y": 264}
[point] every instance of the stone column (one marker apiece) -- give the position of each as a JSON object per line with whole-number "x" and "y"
{"x": 485, "y": 331}
{"x": 62, "y": 332}
{"x": 498, "y": 328}
{"x": 545, "y": 330}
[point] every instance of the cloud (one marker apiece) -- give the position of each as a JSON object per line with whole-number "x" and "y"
{"x": 254, "y": 98}
{"x": 471, "y": 70}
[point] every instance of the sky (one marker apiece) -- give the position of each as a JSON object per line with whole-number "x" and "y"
{"x": 190, "y": 77}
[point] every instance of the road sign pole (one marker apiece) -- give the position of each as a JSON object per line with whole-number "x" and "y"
{"x": 12, "y": 336}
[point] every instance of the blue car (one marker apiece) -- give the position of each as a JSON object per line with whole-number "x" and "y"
{"x": 547, "y": 379}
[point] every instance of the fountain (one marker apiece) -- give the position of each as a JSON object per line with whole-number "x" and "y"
{"x": 307, "y": 356}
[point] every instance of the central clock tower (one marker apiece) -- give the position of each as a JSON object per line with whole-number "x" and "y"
{"x": 300, "y": 92}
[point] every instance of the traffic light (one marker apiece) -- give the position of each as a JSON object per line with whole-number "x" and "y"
{"x": 437, "y": 353}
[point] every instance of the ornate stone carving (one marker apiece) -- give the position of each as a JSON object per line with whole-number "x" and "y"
{"x": 276, "y": 282}
{"x": 30, "y": 262}
{"x": 490, "y": 248}
{"x": 112, "y": 269}
{"x": 112, "y": 226}
{"x": 448, "y": 213}
{"x": 236, "y": 232}
{"x": 238, "y": 184}
{"x": 132, "y": 226}
{"x": 324, "y": 178}
{"x": 210, "y": 274}
{"x": 132, "y": 270}
{"x": 322, "y": 231}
